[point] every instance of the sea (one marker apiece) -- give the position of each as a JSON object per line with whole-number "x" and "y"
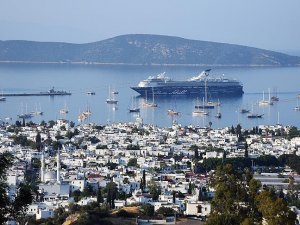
{"x": 283, "y": 82}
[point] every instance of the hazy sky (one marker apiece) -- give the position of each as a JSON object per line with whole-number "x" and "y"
{"x": 269, "y": 24}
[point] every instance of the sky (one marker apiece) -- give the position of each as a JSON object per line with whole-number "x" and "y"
{"x": 268, "y": 24}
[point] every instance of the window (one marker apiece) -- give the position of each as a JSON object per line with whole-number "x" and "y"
{"x": 199, "y": 209}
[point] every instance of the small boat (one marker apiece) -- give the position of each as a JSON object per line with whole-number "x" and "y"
{"x": 2, "y": 99}
{"x": 111, "y": 101}
{"x": 134, "y": 110}
{"x": 218, "y": 115}
{"x": 90, "y": 93}
{"x": 36, "y": 113}
{"x": 274, "y": 99}
{"x": 115, "y": 92}
{"x": 173, "y": 112}
{"x": 255, "y": 115}
{"x": 244, "y": 111}
{"x": 199, "y": 113}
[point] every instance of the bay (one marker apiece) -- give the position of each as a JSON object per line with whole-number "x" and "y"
{"x": 79, "y": 79}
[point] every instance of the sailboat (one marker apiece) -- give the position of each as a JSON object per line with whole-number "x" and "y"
{"x": 64, "y": 110}
{"x": 218, "y": 115}
{"x": 88, "y": 112}
{"x": 266, "y": 102}
{"x": 111, "y": 98}
{"x": 2, "y": 99}
{"x": 297, "y": 108}
{"x": 133, "y": 108}
{"x": 275, "y": 98}
{"x": 172, "y": 111}
{"x": 37, "y": 112}
{"x": 25, "y": 115}
{"x": 199, "y": 112}
{"x": 207, "y": 104}
{"x": 244, "y": 110}
{"x": 253, "y": 115}
{"x": 150, "y": 104}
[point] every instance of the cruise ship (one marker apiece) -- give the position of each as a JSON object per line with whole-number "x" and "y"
{"x": 161, "y": 85}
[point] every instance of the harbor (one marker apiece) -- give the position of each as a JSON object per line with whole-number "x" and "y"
{"x": 153, "y": 108}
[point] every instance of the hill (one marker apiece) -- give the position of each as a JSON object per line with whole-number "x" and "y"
{"x": 143, "y": 49}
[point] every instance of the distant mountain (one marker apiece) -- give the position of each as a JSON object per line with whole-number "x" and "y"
{"x": 143, "y": 49}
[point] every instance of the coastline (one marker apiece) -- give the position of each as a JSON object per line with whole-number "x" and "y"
{"x": 150, "y": 64}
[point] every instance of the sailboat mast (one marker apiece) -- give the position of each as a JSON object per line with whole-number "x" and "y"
{"x": 205, "y": 90}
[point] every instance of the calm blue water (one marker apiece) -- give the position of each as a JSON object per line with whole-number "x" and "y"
{"x": 79, "y": 79}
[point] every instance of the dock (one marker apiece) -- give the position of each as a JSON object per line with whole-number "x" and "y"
{"x": 51, "y": 92}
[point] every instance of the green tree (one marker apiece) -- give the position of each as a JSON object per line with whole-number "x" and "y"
{"x": 190, "y": 189}
{"x": 20, "y": 204}
{"x": 274, "y": 210}
{"x": 229, "y": 192}
{"x": 246, "y": 150}
{"x": 38, "y": 141}
{"x": 154, "y": 190}
{"x": 112, "y": 190}
{"x": 99, "y": 196}
{"x": 144, "y": 178}
{"x": 165, "y": 211}
{"x": 147, "y": 209}
{"x": 132, "y": 162}
{"x": 293, "y": 132}
{"x": 51, "y": 123}
{"x": 238, "y": 130}
{"x": 195, "y": 149}
{"x": 76, "y": 195}
{"x": 6, "y": 160}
